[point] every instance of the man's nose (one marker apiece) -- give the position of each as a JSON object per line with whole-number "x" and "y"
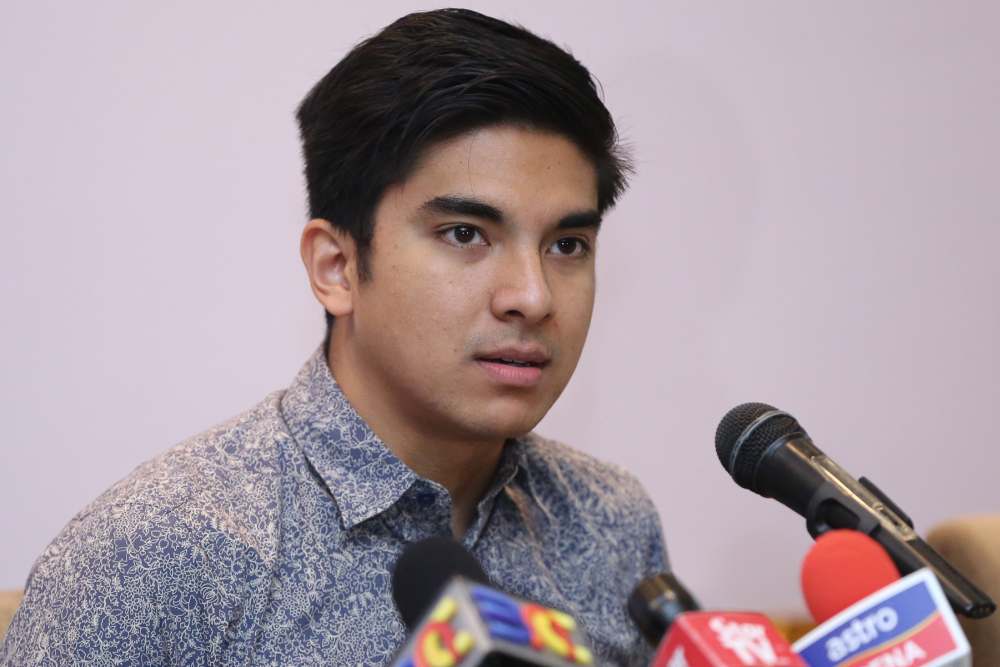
{"x": 522, "y": 288}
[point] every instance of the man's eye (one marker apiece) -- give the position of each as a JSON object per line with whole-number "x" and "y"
{"x": 570, "y": 246}
{"x": 463, "y": 235}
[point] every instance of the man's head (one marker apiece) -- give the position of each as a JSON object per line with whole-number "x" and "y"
{"x": 457, "y": 168}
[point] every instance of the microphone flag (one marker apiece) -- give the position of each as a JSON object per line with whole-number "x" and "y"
{"x": 908, "y": 623}
{"x": 724, "y": 639}
{"x": 471, "y": 624}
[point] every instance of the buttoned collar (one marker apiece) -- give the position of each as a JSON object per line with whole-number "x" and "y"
{"x": 364, "y": 477}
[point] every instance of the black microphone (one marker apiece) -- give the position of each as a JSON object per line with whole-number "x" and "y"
{"x": 423, "y": 571}
{"x": 656, "y": 602}
{"x": 767, "y": 451}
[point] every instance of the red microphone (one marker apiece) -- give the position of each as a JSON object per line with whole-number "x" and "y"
{"x": 668, "y": 616}
{"x": 868, "y": 616}
{"x": 841, "y": 568}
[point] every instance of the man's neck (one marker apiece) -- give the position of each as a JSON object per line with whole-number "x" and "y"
{"x": 463, "y": 466}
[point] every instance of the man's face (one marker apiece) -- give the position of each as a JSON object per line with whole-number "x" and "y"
{"x": 482, "y": 284}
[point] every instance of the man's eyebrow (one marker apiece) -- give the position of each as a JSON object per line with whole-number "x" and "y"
{"x": 455, "y": 205}
{"x": 581, "y": 219}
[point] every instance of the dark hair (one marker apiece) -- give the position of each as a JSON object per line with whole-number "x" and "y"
{"x": 428, "y": 77}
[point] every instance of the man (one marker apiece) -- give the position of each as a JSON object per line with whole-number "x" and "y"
{"x": 458, "y": 168}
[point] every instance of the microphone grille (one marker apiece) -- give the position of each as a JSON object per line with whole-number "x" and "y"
{"x": 740, "y": 451}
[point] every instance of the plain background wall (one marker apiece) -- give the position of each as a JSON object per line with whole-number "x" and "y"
{"x": 814, "y": 223}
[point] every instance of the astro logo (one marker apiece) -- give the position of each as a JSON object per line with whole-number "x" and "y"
{"x": 543, "y": 629}
{"x": 747, "y": 640}
{"x": 860, "y": 632}
{"x": 439, "y": 644}
{"x": 905, "y": 624}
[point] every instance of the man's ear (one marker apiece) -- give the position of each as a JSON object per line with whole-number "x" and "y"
{"x": 330, "y": 257}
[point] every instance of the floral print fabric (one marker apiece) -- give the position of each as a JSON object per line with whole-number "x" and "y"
{"x": 269, "y": 540}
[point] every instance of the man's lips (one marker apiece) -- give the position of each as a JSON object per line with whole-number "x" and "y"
{"x": 532, "y": 355}
{"x": 511, "y": 374}
{"x": 519, "y": 366}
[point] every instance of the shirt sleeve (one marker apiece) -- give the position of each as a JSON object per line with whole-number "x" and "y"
{"x": 130, "y": 587}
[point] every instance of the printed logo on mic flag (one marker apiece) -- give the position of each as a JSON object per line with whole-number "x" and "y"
{"x": 907, "y": 624}
{"x": 747, "y": 640}
{"x": 733, "y": 639}
{"x": 471, "y": 623}
{"x": 439, "y": 643}
{"x": 544, "y": 629}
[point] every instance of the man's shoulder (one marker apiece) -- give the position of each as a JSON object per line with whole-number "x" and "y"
{"x": 177, "y": 550}
{"x": 223, "y": 480}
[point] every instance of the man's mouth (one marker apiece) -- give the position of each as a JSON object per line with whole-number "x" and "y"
{"x": 517, "y": 355}
{"x": 515, "y": 366}
{"x": 512, "y": 362}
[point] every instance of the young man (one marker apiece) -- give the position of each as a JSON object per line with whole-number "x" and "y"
{"x": 458, "y": 168}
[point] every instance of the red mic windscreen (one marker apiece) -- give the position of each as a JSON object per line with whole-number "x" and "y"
{"x": 842, "y": 567}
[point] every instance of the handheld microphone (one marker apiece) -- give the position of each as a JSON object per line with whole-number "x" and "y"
{"x": 656, "y": 602}
{"x": 767, "y": 451}
{"x": 868, "y": 616}
{"x": 660, "y": 606}
{"x": 456, "y": 618}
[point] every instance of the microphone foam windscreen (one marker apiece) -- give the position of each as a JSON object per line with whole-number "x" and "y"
{"x": 841, "y": 568}
{"x": 424, "y": 569}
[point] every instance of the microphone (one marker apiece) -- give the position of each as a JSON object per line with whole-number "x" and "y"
{"x": 868, "y": 616}
{"x": 767, "y": 451}
{"x": 456, "y": 618}
{"x": 424, "y": 569}
{"x": 841, "y": 568}
{"x": 656, "y": 602}
{"x": 660, "y": 606}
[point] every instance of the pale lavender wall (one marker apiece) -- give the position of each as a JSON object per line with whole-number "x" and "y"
{"x": 815, "y": 223}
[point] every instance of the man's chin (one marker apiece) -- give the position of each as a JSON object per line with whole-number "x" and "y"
{"x": 504, "y": 427}
{"x": 496, "y": 418}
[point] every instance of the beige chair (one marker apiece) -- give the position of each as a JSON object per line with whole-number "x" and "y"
{"x": 9, "y": 601}
{"x": 972, "y": 544}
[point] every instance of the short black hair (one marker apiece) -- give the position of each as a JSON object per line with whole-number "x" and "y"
{"x": 428, "y": 77}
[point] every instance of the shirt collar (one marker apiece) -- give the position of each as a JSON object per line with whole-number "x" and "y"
{"x": 364, "y": 477}
{"x": 512, "y": 462}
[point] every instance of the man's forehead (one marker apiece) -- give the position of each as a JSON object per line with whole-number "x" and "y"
{"x": 507, "y": 168}
{"x": 495, "y": 146}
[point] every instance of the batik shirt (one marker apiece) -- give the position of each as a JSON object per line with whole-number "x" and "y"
{"x": 269, "y": 540}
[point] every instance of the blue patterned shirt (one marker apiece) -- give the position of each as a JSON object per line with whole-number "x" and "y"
{"x": 270, "y": 539}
